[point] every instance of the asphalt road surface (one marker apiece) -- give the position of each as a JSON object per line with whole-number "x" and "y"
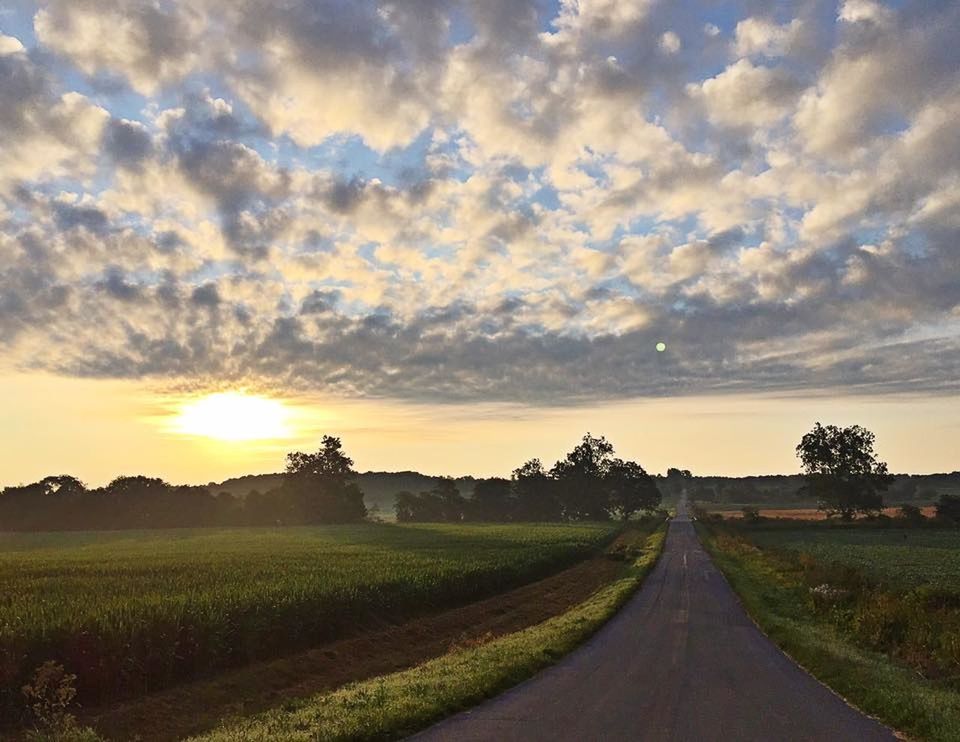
{"x": 680, "y": 661}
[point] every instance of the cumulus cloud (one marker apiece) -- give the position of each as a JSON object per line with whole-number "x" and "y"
{"x": 46, "y": 133}
{"x": 494, "y": 199}
{"x": 762, "y": 36}
{"x": 148, "y": 43}
{"x": 747, "y": 95}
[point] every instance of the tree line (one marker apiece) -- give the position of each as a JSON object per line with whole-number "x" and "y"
{"x": 589, "y": 483}
{"x": 320, "y": 487}
{"x": 315, "y": 488}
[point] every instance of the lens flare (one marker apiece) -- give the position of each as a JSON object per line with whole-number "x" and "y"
{"x": 661, "y": 347}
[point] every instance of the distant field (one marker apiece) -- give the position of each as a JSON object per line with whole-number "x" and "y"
{"x": 897, "y": 557}
{"x": 132, "y": 611}
{"x": 732, "y": 507}
{"x": 803, "y": 513}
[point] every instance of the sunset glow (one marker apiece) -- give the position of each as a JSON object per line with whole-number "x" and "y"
{"x": 382, "y": 217}
{"x": 234, "y": 416}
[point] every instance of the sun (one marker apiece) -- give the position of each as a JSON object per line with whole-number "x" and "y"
{"x": 233, "y": 416}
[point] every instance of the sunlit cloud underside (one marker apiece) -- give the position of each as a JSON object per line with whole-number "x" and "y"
{"x": 500, "y": 200}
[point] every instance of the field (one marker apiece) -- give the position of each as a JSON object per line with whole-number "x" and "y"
{"x": 872, "y": 612}
{"x": 129, "y": 612}
{"x": 800, "y": 513}
{"x": 896, "y": 557}
{"x": 397, "y": 705}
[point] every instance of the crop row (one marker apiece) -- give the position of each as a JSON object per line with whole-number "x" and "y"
{"x": 898, "y": 557}
{"x": 131, "y": 612}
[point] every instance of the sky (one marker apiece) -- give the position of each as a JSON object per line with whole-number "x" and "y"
{"x": 459, "y": 234}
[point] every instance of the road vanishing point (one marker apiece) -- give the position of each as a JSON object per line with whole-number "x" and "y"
{"x": 680, "y": 661}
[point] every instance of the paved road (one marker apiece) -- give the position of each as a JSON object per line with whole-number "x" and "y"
{"x": 681, "y": 661}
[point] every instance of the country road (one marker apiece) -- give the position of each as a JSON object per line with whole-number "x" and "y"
{"x": 681, "y": 661}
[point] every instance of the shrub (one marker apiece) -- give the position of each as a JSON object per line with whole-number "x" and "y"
{"x": 50, "y": 694}
{"x": 911, "y": 513}
{"x": 750, "y": 515}
{"x": 948, "y": 508}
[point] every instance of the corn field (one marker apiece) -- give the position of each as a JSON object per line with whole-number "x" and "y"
{"x": 131, "y": 612}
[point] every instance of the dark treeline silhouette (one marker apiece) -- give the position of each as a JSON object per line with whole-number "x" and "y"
{"x": 315, "y": 488}
{"x": 590, "y": 483}
{"x": 788, "y": 489}
{"x": 379, "y": 487}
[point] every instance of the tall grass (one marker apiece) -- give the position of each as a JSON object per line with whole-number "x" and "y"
{"x": 131, "y": 612}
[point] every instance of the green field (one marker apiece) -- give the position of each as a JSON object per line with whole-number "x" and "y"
{"x": 895, "y": 557}
{"x": 397, "y": 705}
{"x": 872, "y": 612}
{"x": 132, "y": 611}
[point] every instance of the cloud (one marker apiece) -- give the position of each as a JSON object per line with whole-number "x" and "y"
{"x": 150, "y": 44}
{"x": 764, "y": 37}
{"x": 492, "y": 199}
{"x": 747, "y": 95}
{"x": 10, "y": 45}
{"x": 46, "y": 133}
{"x": 128, "y": 142}
{"x": 670, "y": 42}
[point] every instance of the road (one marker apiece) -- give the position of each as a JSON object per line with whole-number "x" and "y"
{"x": 681, "y": 661}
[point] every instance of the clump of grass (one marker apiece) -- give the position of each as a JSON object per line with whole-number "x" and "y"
{"x": 400, "y": 704}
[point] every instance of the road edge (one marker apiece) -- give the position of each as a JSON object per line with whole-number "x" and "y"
{"x": 409, "y": 701}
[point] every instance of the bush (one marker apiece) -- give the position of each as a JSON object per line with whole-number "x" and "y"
{"x": 50, "y": 694}
{"x": 948, "y": 508}
{"x": 912, "y": 514}
{"x": 750, "y": 515}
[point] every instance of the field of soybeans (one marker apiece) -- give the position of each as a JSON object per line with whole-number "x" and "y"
{"x": 129, "y": 612}
{"x": 895, "y": 557}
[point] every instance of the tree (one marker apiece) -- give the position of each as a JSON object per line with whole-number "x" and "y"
{"x": 62, "y": 485}
{"x": 492, "y": 500}
{"x": 842, "y": 471}
{"x": 442, "y": 504}
{"x": 948, "y": 508}
{"x": 677, "y": 480}
{"x": 450, "y": 502}
{"x": 581, "y": 479}
{"x": 912, "y": 514}
{"x": 630, "y": 489}
{"x": 134, "y": 501}
{"x": 318, "y": 486}
{"x": 535, "y": 493}
{"x": 407, "y": 507}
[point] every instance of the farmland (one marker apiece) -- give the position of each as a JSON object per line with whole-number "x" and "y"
{"x": 810, "y": 512}
{"x": 133, "y": 611}
{"x": 898, "y": 557}
{"x": 874, "y": 612}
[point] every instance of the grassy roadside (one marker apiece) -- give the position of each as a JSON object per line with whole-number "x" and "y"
{"x": 399, "y": 704}
{"x": 774, "y": 594}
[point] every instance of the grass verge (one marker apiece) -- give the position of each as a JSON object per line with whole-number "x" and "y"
{"x": 396, "y": 705}
{"x": 773, "y": 592}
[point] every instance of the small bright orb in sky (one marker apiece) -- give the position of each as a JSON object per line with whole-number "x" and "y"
{"x": 233, "y": 416}
{"x": 661, "y": 346}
